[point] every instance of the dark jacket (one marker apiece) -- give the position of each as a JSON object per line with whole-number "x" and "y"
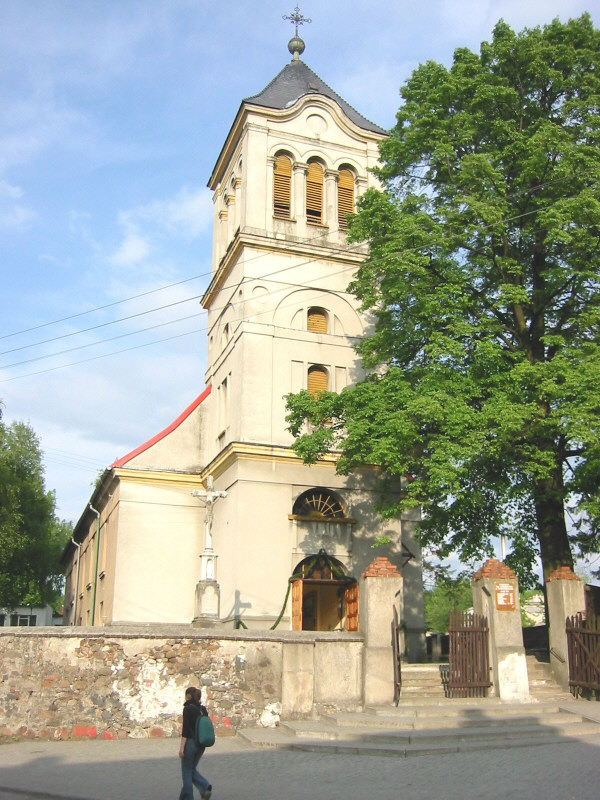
{"x": 191, "y": 711}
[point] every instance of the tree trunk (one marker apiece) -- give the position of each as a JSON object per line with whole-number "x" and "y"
{"x": 552, "y": 530}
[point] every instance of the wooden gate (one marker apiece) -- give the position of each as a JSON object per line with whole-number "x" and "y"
{"x": 469, "y": 670}
{"x": 583, "y": 646}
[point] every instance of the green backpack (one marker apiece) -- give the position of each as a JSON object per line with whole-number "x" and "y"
{"x": 204, "y": 733}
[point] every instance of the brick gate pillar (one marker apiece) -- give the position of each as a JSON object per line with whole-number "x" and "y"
{"x": 380, "y": 591}
{"x": 565, "y": 597}
{"x": 496, "y": 595}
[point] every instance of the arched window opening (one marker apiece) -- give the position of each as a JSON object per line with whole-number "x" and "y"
{"x": 345, "y": 196}
{"x": 319, "y": 504}
{"x": 282, "y": 187}
{"x": 314, "y": 193}
{"x": 316, "y": 320}
{"x": 318, "y": 380}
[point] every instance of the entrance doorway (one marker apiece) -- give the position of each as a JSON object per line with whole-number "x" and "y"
{"x": 324, "y": 598}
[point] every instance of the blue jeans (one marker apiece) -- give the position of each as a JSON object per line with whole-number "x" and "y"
{"x": 189, "y": 775}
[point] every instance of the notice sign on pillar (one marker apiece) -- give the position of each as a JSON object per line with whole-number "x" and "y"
{"x": 505, "y": 596}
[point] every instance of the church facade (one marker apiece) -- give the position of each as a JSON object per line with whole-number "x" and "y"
{"x": 215, "y": 521}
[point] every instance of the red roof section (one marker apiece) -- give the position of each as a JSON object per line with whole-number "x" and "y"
{"x": 173, "y": 426}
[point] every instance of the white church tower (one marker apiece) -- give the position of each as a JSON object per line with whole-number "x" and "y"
{"x": 280, "y": 319}
{"x": 215, "y": 520}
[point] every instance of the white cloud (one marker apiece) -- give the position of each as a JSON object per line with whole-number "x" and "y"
{"x": 133, "y": 249}
{"x": 13, "y": 214}
{"x": 188, "y": 214}
{"x": 477, "y": 17}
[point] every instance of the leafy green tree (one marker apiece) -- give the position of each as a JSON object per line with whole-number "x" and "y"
{"x": 32, "y": 538}
{"x": 448, "y": 594}
{"x": 483, "y": 281}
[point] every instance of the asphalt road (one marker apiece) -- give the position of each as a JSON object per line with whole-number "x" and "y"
{"x": 149, "y": 770}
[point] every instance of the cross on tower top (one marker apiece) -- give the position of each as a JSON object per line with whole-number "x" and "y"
{"x": 296, "y": 18}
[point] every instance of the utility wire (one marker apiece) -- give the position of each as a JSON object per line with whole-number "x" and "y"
{"x": 525, "y": 190}
{"x": 101, "y": 308}
{"x": 425, "y": 246}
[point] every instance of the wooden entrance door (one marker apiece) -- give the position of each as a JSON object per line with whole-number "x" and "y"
{"x": 297, "y": 589}
{"x": 306, "y": 596}
{"x": 352, "y": 607}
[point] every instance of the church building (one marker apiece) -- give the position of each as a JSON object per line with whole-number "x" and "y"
{"x": 215, "y": 521}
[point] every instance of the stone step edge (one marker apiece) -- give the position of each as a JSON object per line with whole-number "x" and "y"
{"x": 289, "y": 743}
{"x": 413, "y": 736}
{"x": 420, "y": 723}
{"x": 447, "y": 708}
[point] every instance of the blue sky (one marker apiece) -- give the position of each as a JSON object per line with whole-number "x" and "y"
{"x": 112, "y": 116}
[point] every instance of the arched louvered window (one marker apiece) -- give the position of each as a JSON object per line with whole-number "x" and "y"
{"x": 282, "y": 187}
{"x": 345, "y": 196}
{"x": 314, "y": 193}
{"x": 317, "y": 380}
{"x": 316, "y": 320}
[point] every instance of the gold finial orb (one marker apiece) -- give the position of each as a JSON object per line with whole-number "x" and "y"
{"x": 296, "y": 46}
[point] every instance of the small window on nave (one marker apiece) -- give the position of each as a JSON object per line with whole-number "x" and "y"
{"x": 282, "y": 187}
{"x": 345, "y": 196}
{"x": 314, "y": 193}
{"x": 317, "y": 380}
{"x": 316, "y": 320}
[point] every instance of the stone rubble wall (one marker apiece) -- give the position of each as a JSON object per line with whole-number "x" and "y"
{"x": 99, "y": 683}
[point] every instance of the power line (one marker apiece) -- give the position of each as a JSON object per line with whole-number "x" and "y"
{"x": 99, "y": 342}
{"x": 100, "y": 325}
{"x": 267, "y": 276}
{"x": 102, "y": 308}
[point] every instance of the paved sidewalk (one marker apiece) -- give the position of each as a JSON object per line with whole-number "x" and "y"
{"x": 149, "y": 770}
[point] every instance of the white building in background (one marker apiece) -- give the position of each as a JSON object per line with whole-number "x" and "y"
{"x": 215, "y": 520}
{"x": 29, "y": 617}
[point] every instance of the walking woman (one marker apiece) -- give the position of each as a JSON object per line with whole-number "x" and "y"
{"x": 189, "y": 753}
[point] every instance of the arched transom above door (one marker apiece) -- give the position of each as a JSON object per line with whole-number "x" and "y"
{"x": 319, "y": 504}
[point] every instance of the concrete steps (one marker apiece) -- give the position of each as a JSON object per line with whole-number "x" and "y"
{"x": 423, "y": 680}
{"x": 450, "y": 726}
{"x": 542, "y": 685}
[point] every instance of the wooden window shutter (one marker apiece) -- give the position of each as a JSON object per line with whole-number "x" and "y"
{"x": 317, "y": 380}
{"x": 352, "y": 607}
{"x": 345, "y": 196}
{"x": 297, "y": 589}
{"x": 317, "y": 320}
{"x": 314, "y": 193}
{"x": 282, "y": 187}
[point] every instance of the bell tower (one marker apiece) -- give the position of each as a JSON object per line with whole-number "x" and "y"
{"x": 293, "y": 166}
{"x": 294, "y": 163}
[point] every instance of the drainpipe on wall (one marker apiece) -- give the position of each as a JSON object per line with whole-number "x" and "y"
{"x": 78, "y": 546}
{"x": 97, "y": 513}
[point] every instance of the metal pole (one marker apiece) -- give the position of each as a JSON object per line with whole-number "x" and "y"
{"x": 97, "y": 513}
{"x": 78, "y": 546}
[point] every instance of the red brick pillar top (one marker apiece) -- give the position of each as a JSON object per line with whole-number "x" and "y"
{"x": 381, "y": 567}
{"x": 494, "y": 569}
{"x": 563, "y": 574}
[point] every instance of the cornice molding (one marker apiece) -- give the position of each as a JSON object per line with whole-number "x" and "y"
{"x": 154, "y": 477}
{"x": 262, "y": 241}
